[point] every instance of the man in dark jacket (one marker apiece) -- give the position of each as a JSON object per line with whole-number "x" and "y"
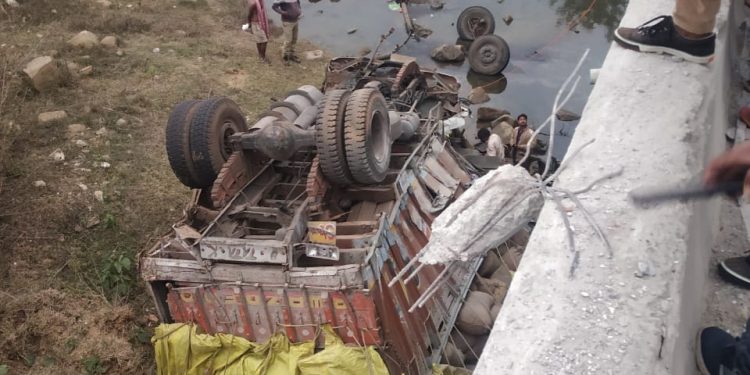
{"x": 291, "y": 12}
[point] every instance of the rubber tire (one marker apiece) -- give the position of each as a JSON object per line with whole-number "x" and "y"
{"x": 496, "y": 45}
{"x": 462, "y": 25}
{"x": 178, "y": 142}
{"x": 361, "y": 139}
{"x": 329, "y": 137}
{"x": 207, "y": 140}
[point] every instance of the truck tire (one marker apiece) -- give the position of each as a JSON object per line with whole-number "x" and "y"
{"x": 474, "y": 22}
{"x": 329, "y": 137}
{"x": 489, "y": 55}
{"x": 367, "y": 136}
{"x": 214, "y": 121}
{"x": 178, "y": 142}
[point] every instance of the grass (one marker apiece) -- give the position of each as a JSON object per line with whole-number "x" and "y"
{"x": 70, "y": 298}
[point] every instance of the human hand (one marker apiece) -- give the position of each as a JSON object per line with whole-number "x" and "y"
{"x": 732, "y": 165}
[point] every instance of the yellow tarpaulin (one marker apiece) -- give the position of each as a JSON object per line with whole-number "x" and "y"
{"x": 181, "y": 350}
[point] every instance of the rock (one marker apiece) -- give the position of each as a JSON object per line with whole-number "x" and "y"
{"x": 105, "y": 165}
{"x": 352, "y": 31}
{"x": 81, "y": 143}
{"x": 437, "y": 4}
{"x": 314, "y": 55}
{"x": 121, "y": 122}
{"x": 51, "y": 116}
{"x": 83, "y": 187}
{"x": 39, "y": 183}
{"x": 508, "y": 19}
{"x": 364, "y": 51}
{"x": 85, "y": 39}
{"x": 12, "y": 3}
{"x": 92, "y": 222}
{"x": 74, "y": 129}
{"x": 490, "y": 114}
{"x": 54, "y": 53}
{"x": 119, "y": 53}
{"x": 448, "y": 53}
{"x": 102, "y": 132}
{"x": 565, "y": 115}
{"x": 105, "y": 3}
{"x": 44, "y": 73}
{"x": 504, "y": 128}
{"x": 99, "y": 195}
{"x": 478, "y": 96}
{"x": 57, "y": 155}
{"x": 109, "y": 41}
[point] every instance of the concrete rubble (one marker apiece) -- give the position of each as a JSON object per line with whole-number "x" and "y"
{"x": 46, "y": 117}
{"x": 44, "y": 73}
{"x": 448, "y": 53}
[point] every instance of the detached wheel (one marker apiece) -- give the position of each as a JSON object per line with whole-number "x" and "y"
{"x": 329, "y": 137}
{"x": 367, "y": 136}
{"x": 178, "y": 142}
{"x": 489, "y": 55}
{"x": 474, "y": 22}
{"x": 214, "y": 121}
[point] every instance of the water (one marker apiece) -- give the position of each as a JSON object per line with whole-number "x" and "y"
{"x": 543, "y": 49}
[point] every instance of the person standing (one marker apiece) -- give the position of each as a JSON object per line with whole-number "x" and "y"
{"x": 687, "y": 33}
{"x": 494, "y": 143}
{"x": 291, "y": 12}
{"x": 258, "y": 21}
{"x": 521, "y": 137}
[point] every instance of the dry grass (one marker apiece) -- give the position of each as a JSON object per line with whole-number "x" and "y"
{"x": 63, "y": 280}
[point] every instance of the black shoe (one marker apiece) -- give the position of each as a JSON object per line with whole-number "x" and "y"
{"x": 736, "y": 270}
{"x": 660, "y": 36}
{"x": 715, "y": 351}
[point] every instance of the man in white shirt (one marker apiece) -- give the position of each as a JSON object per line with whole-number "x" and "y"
{"x": 494, "y": 143}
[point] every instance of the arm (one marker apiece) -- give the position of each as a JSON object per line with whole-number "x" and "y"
{"x": 732, "y": 165}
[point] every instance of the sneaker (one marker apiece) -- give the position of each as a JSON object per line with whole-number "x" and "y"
{"x": 736, "y": 270}
{"x": 660, "y": 36}
{"x": 714, "y": 352}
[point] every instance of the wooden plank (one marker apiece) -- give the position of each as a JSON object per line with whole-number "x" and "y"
{"x": 366, "y": 211}
{"x": 375, "y": 194}
{"x": 356, "y": 227}
{"x": 154, "y": 269}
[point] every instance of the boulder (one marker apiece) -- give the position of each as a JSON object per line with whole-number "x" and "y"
{"x": 490, "y": 114}
{"x": 51, "y": 116}
{"x": 478, "y": 96}
{"x": 44, "y": 73}
{"x": 110, "y": 41}
{"x": 85, "y": 39}
{"x": 565, "y": 115}
{"x": 448, "y": 53}
{"x": 504, "y": 128}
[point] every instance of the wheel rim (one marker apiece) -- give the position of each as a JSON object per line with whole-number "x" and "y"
{"x": 379, "y": 131}
{"x": 227, "y": 130}
{"x": 488, "y": 54}
{"x": 477, "y": 25}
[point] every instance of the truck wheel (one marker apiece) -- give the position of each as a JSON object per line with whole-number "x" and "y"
{"x": 489, "y": 55}
{"x": 214, "y": 121}
{"x": 367, "y": 136}
{"x": 329, "y": 137}
{"x": 474, "y": 22}
{"x": 178, "y": 142}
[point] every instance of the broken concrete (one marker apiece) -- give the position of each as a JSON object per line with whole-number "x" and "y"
{"x": 44, "y": 73}
{"x": 46, "y": 117}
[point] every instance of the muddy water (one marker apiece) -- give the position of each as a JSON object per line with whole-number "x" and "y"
{"x": 543, "y": 48}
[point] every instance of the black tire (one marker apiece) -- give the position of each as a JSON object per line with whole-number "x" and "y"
{"x": 489, "y": 55}
{"x": 329, "y": 137}
{"x": 367, "y": 136}
{"x": 178, "y": 142}
{"x": 214, "y": 121}
{"x": 474, "y": 22}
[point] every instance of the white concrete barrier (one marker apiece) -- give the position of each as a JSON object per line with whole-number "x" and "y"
{"x": 661, "y": 120}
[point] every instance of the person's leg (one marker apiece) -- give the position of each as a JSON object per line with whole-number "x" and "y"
{"x": 293, "y": 43}
{"x": 695, "y": 18}
{"x": 262, "y": 51}
{"x": 286, "y": 46}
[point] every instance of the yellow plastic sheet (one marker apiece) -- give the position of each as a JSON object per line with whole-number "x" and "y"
{"x": 181, "y": 350}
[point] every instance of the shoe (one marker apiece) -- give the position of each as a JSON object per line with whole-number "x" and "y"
{"x": 714, "y": 352}
{"x": 660, "y": 36}
{"x": 736, "y": 270}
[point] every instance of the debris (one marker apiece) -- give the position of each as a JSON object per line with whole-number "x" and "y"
{"x": 46, "y": 117}
{"x": 119, "y": 53}
{"x": 44, "y": 73}
{"x": 57, "y": 155}
{"x": 74, "y": 129}
{"x": 478, "y": 96}
{"x": 643, "y": 271}
{"x": 86, "y": 70}
{"x": 352, "y": 31}
{"x": 92, "y": 222}
{"x": 565, "y": 115}
{"x": 99, "y": 195}
{"x": 508, "y": 20}
{"x": 81, "y": 143}
{"x": 448, "y": 53}
{"x": 121, "y": 122}
{"x": 83, "y": 187}
{"x": 109, "y": 41}
{"x": 314, "y": 55}
{"x": 156, "y": 50}
{"x": 490, "y": 114}
{"x": 436, "y": 4}
{"x": 85, "y": 39}
{"x": 105, "y": 3}
{"x": 40, "y": 183}
{"x": 152, "y": 318}
{"x": 12, "y": 3}
{"x": 105, "y": 165}
{"x": 102, "y": 132}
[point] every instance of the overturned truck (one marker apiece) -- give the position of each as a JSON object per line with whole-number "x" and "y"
{"x": 303, "y": 218}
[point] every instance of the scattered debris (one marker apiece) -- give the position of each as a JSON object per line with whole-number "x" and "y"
{"x": 40, "y": 183}
{"x": 74, "y": 129}
{"x": 46, "y": 117}
{"x": 448, "y": 53}
{"x": 314, "y": 55}
{"x": 81, "y": 143}
{"x": 99, "y": 195}
{"x": 105, "y": 3}
{"x": 86, "y": 70}
{"x": 508, "y": 20}
{"x": 44, "y": 73}
{"x": 109, "y": 41}
{"x": 83, "y": 187}
{"x": 102, "y": 132}
{"x": 121, "y": 122}
{"x": 565, "y": 115}
{"x": 57, "y": 155}
{"x": 92, "y": 222}
{"x": 352, "y": 31}
{"x": 478, "y": 96}
{"x": 85, "y": 39}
